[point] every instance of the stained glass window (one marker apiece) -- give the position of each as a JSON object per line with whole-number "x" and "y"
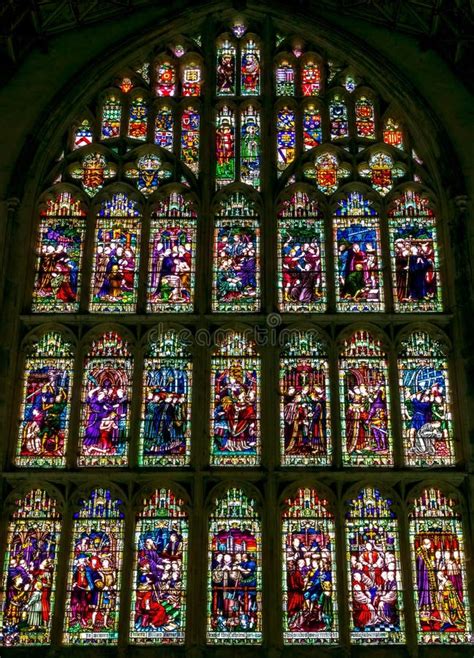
{"x": 164, "y": 127}
{"x": 373, "y": 570}
{"x": 82, "y": 134}
{"x": 190, "y": 128}
{"x": 225, "y": 146}
{"x": 415, "y": 257}
{"x": 106, "y": 397}
{"x": 286, "y": 137}
{"x": 285, "y": 79}
{"x": 250, "y": 69}
{"x": 439, "y": 563}
{"x": 309, "y": 571}
{"x": 305, "y": 429}
{"x": 236, "y": 276}
{"x": 365, "y": 117}
{"x": 301, "y": 262}
{"x": 46, "y": 402}
{"x": 138, "y": 119}
{"x": 312, "y": 127}
{"x": 425, "y": 396}
{"x": 250, "y": 147}
{"x": 59, "y": 255}
{"x": 235, "y": 564}
{"x": 365, "y": 404}
{"x": 95, "y": 564}
{"x": 235, "y": 402}
{"x": 191, "y": 80}
{"x": 172, "y": 255}
{"x": 166, "y": 404}
{"x": 111, "y": 117}
{"x": 161, "y": 563}
{"x": 310, "y": 78}
{"x": 27, "y": 596}
{"x": 358, "y": 255}
{"x": 165, "y": 79}
{"x": 116, "y": 257}
{"x": 226, "y": 68}
{"x": 393, "y": 133}
{"x": 338, "y": 120}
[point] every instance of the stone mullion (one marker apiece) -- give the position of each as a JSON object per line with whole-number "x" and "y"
{"x": 268, "y": 261}
{"x": 271, "y": 569}
{"x": 142, "y": 295}
{"x": 61, "y": 595}
{"x": 127, "y": 574}
{"x": 206, "y": 176}
{"x": 135, "y": 408}
{"x": 406, "y": 596}
{"x": 196, "y": 594}
{"x": 386, "y": 270}
{"x": 395, "y": 409}
{"x": 335, "y": 402}
{"x": 88, "y": 260}
{"x": 343, "y": 595}
{"x": 332, "y": 282}
{"x": 75, "y": 416}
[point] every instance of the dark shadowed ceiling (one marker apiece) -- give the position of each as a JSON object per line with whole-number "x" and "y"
{"x": 446, "y": 26}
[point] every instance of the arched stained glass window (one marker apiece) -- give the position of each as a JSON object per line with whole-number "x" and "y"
{"x": 116, "y": 257}
{"x": 365, "y": 117}
{"x": 358, "y": 256}
{"x": 365, "y": 402}
{"x": 415, "y": 257}
{"x": 138, "y": 118}
{"x": 190, "y": 138}
{"x": 111, "y": 117}
{"x": 95, "y": 564}
{"x": 250, "y": 69}
{"x": 106, "y": 397}
{"x": 158, "y": 613}
{"x": 166, "y": 406}
{"x": 164, "y": 127}
{"x": 27, "y": 597}
{"x": 285, "y": 137}
{"x": 165, "y": 79}
{"x": 425, "y": 395}
{"x": 236, "y": 281}
{"x": 305, "y": 428}
{"x": 235, "y": 566}
{"x": 373, "y": 566}
{"x": 46, "y": 403}
{"x": 226, "y": 68}
{"x": 312, "y": 127}
{"x": 222, "y": 174}
{"x": 82, "y": 134}
{"x": 172, "y": 258}
{"x": 301, "y": 261}
{"x": 191, "y": 80}
{"x": 310, "y": 78}
{"x": 393, "y": 133}
{"x": 235, "y": 402}
{"x": 225, "y": 146}
{"x": 59, "y": 254}
{"x": 285, "y": 78}
{"x": 439, "y": 563}
{"x": 309, "y": 571}
{"x": 338, "y": 117}
{"x": 250, "y": 146}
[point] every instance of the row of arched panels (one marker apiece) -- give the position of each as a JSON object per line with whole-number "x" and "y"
{"x": 342, "y": 251}
{"x": 331, "y": 401}
{"x": 155, "y": 549}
